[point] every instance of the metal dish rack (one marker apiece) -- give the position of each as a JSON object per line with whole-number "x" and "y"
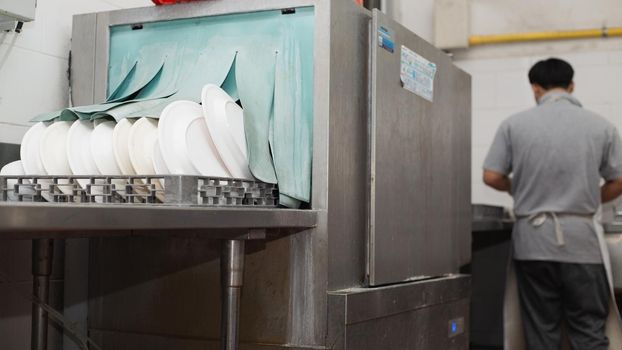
{"x": 139, "y": 189}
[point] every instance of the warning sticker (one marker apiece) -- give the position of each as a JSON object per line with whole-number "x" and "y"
{"x": 417, "y": 74}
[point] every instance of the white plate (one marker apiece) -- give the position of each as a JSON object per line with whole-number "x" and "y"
{"x": 102, "y": 149}
{"x": 174, "y": 122}
{"x": 159, "y": 165}
{"x": 98, "y": 121}
{"x": 30, "y": 155}
{"x": 103, "y": 152}
{"x": 14, "y": 169}
{"x": 29, "y": 150}
{"x": 227, "y": 135}
{"x": 80, "y": 157}
{"x": 141, "y": 141}
{"x": 120, "y": 143}
{"x": 79, "y": 153}
{"x": 53, "y": 152}
{"x": 158, "y": 162}
{"x": 202, "y": 151}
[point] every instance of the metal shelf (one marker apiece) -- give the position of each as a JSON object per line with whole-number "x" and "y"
{"x": 21, "y": 220}
{"x": 97, "y": 206}
{"x": 232, "y": 210}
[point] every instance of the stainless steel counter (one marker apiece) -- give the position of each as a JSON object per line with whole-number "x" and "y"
{"x": 506, "y": 225}
{"x": 484, "y": 225}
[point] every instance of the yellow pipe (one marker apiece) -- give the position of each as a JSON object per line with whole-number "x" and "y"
{"x": 541, "y": 36}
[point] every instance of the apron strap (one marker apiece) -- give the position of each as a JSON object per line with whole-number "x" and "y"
{"x": 539, "y": 219}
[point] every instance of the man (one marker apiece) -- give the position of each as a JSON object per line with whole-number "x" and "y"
{"x": 556, "y": 154}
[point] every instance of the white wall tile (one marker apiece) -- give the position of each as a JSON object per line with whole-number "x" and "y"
{"x": 33, "y": 64}
{"x": 495, "y": 64}
{"x": 496, "y": 17}
{"x": 31, "y": 84}
{"x": 576, "y": 58}
{"x": 418, "y": 16}
{"x": 10, "y": 133}
{"x": 615, "y": 57}
{"x": 513, "y": 90}
{"x": 598, "y": 84}
{"x": 483, "y": 90}
{"x": 50, "y": 32}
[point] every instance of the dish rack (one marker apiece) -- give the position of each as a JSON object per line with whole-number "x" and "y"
{"x": 180, "y": 190}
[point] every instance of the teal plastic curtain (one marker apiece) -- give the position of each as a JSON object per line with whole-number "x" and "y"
{"x": 264, "y": 59}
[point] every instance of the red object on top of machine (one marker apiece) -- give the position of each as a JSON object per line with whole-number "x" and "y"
{"x": 170, "y": 2}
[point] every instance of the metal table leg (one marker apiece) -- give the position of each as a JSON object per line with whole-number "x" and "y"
{"x": 42, "y": 256}
{"x": 232, "y": 275}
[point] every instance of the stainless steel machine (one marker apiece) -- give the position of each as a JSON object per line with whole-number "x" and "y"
{"x": 379, "y": 266}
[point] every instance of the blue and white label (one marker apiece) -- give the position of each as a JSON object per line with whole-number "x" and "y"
{"x": 456, "y": 327}
{"x": 417, "y": 74}
{"x": 385, "y": 39}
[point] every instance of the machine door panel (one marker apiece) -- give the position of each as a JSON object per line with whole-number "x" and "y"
{"x": 420, "y": 158}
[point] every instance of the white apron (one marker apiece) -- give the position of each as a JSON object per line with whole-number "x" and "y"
{"x": 514, "y": 338}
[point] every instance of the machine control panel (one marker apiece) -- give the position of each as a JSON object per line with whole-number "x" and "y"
{"x": 456, "y": 327}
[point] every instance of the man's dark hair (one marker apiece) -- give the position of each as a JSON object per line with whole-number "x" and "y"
{"x": 551, "y": 73}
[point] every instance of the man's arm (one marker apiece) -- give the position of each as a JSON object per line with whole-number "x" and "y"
{"x": 611, "y": 190}
{"x": 498, "y": 181}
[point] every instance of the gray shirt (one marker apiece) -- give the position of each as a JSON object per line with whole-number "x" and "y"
{"x": 557, "y": 153}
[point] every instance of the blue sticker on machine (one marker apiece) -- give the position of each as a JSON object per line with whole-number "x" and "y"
{"x": 385, "y": 39}
{"x": 456, "y": 327}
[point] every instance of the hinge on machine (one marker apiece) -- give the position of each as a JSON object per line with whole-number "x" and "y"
{"x": 288, "y": 11}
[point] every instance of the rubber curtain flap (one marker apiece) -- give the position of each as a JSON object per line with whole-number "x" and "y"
{"x": 146, "y": 71}
{"x": 210, "y": 67}
{"x": 255, "y": 68}
{"x": 292, "y": 126}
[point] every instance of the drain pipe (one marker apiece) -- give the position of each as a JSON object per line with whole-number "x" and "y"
{"x": 604, "y": 32}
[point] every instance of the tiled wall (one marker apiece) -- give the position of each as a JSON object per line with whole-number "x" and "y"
{"x": 34, "y": 63}
{"x": 33, "y": 79}
{"x": 501, "y": 88}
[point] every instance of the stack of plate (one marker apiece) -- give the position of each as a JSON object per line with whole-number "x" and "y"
{"x": 188, "y": 139}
